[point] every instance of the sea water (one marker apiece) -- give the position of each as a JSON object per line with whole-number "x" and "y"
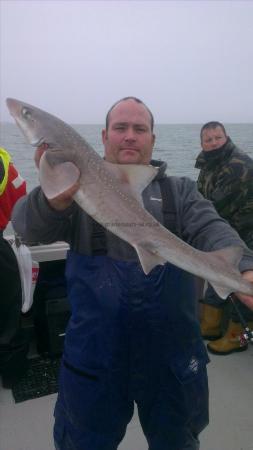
{"x": 178, "y": 145}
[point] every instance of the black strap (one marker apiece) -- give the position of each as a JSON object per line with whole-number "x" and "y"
{"x": 170, "y": 216}
{"x": 98, "y": 239}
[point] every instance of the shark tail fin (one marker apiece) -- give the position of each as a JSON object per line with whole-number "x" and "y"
{"x": 220, "y": 290}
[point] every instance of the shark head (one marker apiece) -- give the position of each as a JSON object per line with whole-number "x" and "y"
{"x": 27, "y": 118}
{"x": 57, "y": 170}
{"x": 40, "y": 127}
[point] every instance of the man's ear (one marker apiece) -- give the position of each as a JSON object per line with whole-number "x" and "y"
{"x": 104, "y": 135}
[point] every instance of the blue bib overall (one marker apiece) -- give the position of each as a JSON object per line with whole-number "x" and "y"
{"x": 131, "y": 338}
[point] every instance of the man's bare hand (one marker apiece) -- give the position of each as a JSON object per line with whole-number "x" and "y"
{"x": 65, "y": 199}
{"x": 38, "y": 154}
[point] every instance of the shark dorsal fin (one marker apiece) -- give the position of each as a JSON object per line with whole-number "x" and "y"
{"x": 134, "y": 177}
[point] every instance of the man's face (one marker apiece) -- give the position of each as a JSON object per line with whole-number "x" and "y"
{"x": 213, "y": 138}
{"x": 129, "y": 138}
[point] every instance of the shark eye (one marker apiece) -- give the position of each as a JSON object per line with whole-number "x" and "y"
{"x": 26, "y": 113}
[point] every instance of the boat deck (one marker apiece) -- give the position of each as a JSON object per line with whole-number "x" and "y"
{"x": 28, "y": 425}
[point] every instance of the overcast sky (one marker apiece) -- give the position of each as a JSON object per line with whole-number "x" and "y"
{"x": 189, "y": 61}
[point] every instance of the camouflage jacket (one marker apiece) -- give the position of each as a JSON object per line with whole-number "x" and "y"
{"x": 226, "y": 178}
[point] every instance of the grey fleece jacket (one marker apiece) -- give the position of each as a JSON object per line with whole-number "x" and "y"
{"x": 36, "y": 222}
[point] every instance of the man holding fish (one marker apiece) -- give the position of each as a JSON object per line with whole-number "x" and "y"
{"x": 133, "y": 336}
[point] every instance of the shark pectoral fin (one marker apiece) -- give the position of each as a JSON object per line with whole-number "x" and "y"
{"x": 57, "y": 179}
{"x": 148, "y": 259}
{"x": 133, "y": 177}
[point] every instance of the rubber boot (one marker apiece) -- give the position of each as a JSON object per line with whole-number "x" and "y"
{"x": 231, "y": 342}
{"x": 210, "y": 322}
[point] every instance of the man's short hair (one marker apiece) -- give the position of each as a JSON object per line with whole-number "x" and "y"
{"x": 211, "y": 126}
{"x": 137, "y": 100}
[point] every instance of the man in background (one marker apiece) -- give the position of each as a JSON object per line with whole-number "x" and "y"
{"x": 13, "y": 345}
{"x": 225, "y": 178}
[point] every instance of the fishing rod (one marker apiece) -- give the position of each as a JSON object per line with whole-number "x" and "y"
{"x": 247, "y": 336}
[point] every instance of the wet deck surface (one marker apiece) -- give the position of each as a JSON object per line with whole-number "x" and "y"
{"x": 28, "y": 425}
